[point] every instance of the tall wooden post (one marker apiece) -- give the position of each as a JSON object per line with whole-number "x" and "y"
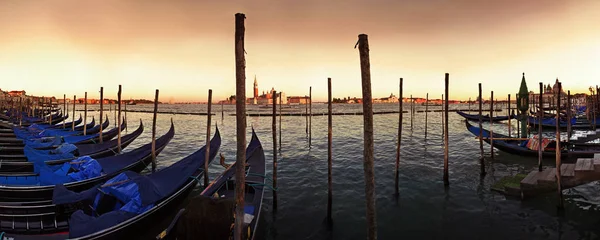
{"x": 446, "y": 142}
{"x": 240, "y": 76}
{"x": 558, "y": 151}
{"x": 540, "y": 118}
{"x": 208, "y": 126}
{"x": 481, "y": 159}
{"x": 85, "y": 114}
{"x": 400, "y": 112}
{"x": 492, "y": 125}
{"x": 65, "y": 108}
{"x": 154, "y": 131}
{"x": 101, "y": 110}
{"x": 222, "y": 113}
{"x": 509, "y": 117}
{"x": 329, "y": 154}
{"x": 569, "y": 115}
{"x": 280, "y": 126}
{"x": 73, "y": 122}
{"x": 412, "y": 112}
{"x": 365, "y": 67}
{"x": 426, "y": 110}
{"x": 119, "y": 119}
{"x": 310, "y": 117}
{"x": 274, "y": 131}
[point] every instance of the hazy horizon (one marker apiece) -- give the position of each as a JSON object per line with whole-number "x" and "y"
{"x": 184, "y": 48}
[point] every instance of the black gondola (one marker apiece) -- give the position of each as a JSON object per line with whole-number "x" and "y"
{"x": 164, "y": 191}
{"x": 485, "y": 118}
{"x": 18, "y": 163}
{"x": 518, "y": 147}
{"x": 135, "y": 160}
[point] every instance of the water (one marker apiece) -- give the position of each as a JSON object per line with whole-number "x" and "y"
{"x": 468, "y": 209}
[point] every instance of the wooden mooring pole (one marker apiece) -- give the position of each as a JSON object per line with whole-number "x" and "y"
{"x": 240, "y": 107}
{"x": 569, "y": 116}
{"x": 540, "y": 118}
{"x": 154, "y": 131}
{"x": 481, "y": 159}
{"x": 119, "y": 119}
{"x": 558, "y": 151}
{"x": 73, "y": 122}
{"x": 365, "y": 67}
{"x": 412, "y": 112}
{"x": 274, "y": 131}
{"x": 329, "y": 153}
{"x": 222, "y": 113}
{"x": 509, "y": 117}
{"x": 101, "y": 110}
{"x": 306, "y": 112}
{"x": 280, "y": 126}
{"x": 426, "y": 110}
{"x": 65, "y": 109}
{"x": 85, "y": 114}
{"x": 492, "y": 125}
{"x": 446, "y": 143}
{"x": 310, "y": 117}
{"x": 469, "y": 104}
{"x": 208, "y": 126}
{"x": 400, "y": 112}
{"x": 125, "y": 105}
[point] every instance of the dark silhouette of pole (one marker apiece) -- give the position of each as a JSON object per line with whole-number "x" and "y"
{"x": 240, "y": 107}
{"x": 306, "y": 112}
{"x": 365, "y": 67}
{"x": 73, "y": 122}
{"x": 412, "y": 112}
{"x": 64, "y": 108}
{"x": 426, "y": 110}
{"x": 274, "y": 130}
{"x": 119, "y": 119}
{"x": 154, "y": 131}
{"x": 558, "y": 151}
{"x": 481, "y": 159}
{"x": 569, "y": 125}
{"x": 396, "y": 170}
{"x": 85, "y": 114}
{"x": 509, "y": 117}
{"x": 446, "y": 142}
{"x": 208, "y": 125}
{"x": 540, "y": 117}
{"x": 125, "y": 117}
{"x": 101, "y": 111}
{"x": 492, "y": 125}
{"x": 310, "y": 117}
{"x": 280, "y": 126}
{"x": 329, "y": 154}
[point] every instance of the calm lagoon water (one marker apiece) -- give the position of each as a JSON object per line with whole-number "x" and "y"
{"x": 468, "y": 209}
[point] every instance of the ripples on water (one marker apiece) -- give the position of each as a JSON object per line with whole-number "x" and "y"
{"x": 424, "y": 210}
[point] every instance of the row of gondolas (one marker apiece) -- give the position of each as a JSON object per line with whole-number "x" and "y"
{"x": 571, "y": 149}
{"x": 58, "y": 183}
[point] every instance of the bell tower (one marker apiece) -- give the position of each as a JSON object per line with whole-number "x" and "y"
{"x": 255, "y": 88}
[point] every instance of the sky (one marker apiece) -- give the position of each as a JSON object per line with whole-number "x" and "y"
{"x": 185, "y": 47}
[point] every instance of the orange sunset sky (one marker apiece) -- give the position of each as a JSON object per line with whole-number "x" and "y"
{"x": 183, "y": 48}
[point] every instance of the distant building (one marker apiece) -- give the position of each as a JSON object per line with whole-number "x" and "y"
{"x": 298, "y": 99}
{"x": 16, "y": 93}
{"x": 390, "y": 99}
{"x": 266, "y": 98}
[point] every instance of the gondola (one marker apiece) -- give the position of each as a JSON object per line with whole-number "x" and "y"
{"x": 550, "y": 123}
{"x": 20, "y": 163}
{"x": 518, "y": 147}
{"x": 135, "y": 160}
{"x": 485, "y": 118}
{"x": 67, "y": 124}
{"x": 224, "y": 187}
{"x": 75, "y": 215}
{"x": 11, "y": 132}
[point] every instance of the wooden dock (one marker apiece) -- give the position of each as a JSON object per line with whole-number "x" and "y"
{"x": 585, "y": 170}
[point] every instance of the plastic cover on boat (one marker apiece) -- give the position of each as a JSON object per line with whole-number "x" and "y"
{"x": 64, "y": 151}
{"x": 44, "y": 142}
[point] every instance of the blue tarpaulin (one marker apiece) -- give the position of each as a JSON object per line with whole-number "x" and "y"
{"x": 76, "y": 170}
{"x": 64, "y": 151}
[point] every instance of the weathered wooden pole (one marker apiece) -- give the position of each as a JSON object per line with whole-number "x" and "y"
{"x": 400, "y": 112}
{"x": 310, "y": 116}
{"x": 509, "y": 117}
{"x": 208, "y": 125}
{"x": 446, "y": 142}
{"x": 558, "y": 152}
{"x": 73, "y": 122}
{"x": 412, "y": 112}
{"x": 540, "y": 118}
{"x": 119, "y": 120}
{"x": 65, "y": 108}
{"x": 115, "y": 115}
{"x": 569, "y": 115}
{"x": 154, "y": 131}
{"x": 329, "y": 154}
{"x": 101, "y": 110}
{"x": 274, "y": 130}
{"x": 365, "y": 67}
{"x": 240, "y": 105}
{"x": 85, "y": 114}
{"x": 222, "y": 113}
{"x": 480, "y": 130}
{"x": 280, "y": 103}
{"x": 492, "y": 125}
{"x": 426, "y": 110}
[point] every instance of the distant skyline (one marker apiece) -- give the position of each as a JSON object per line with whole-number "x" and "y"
{"x": 184, "y": 48}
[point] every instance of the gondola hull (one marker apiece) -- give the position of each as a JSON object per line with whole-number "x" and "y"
{"x": 485, "y": 118}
